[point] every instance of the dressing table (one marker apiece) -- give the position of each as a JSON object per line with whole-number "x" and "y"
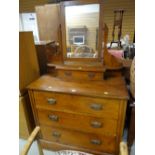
{"x": 75, "y": 106}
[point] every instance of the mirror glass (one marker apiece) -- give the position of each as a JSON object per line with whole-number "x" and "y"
{"x": 82, "y": 24}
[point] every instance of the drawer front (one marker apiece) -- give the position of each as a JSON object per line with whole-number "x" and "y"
{"x": 74, "y": 103}
{"x": 79, "y": 139}
{"x": 78, "y": 122}
{"x": 80, "y": 75}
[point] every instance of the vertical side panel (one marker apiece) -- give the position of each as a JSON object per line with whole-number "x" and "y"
{"x": 28, "y": 62}
{"x": 121, "y": 121}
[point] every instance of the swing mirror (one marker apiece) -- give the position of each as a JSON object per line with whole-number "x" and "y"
{"x": 81, "y": 29}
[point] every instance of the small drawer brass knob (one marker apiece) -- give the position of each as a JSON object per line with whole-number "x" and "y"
{"x": 91, "y": 75}
{"x": 51, "y": 101}
{"x": 68, "y": 73}
{"x": 96, "y": 124}
{"x": 56, "y": 134}
{"x": 53, "y": 118}
{"x": 96, "y": 142}
{"x": 95, "y": 106}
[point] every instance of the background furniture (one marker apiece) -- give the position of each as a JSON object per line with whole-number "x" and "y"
{"x": 28, "y": 72}
{"x": 49, "y": 31}
{"x": 118, "y": 19}
{"x": 41, "y": 49}
{"x": 47, "y": 23}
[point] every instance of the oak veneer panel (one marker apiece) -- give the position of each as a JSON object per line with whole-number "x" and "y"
{"x": 28, "y": 63}
{"x": 78, "y": 104}
{"x": 79, "y": 139}
{"x": 84, "y": 123}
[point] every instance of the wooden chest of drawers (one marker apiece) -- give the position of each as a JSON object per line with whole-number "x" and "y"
{"x": 86, "y": 116}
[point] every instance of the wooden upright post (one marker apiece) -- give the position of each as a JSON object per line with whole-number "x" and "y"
{"x": 118, "y": 19}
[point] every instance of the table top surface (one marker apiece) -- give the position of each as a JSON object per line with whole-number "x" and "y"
{"x": 110, "y": 88}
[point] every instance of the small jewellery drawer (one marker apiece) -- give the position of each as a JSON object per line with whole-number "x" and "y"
{"x": 79, "y": 139}
{"x": 75, "y": 103}
{"x": 78, "y": 122}
{"x": 80, "y": 75}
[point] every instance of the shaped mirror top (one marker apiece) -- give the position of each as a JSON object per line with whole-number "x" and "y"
{"x": 82, "y": 30}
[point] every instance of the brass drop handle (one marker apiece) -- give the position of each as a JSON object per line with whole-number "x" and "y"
{"x": 68, "y": 73}
{"x": 96, "y": 141}
{"x": 95, "y": 106}
{"x": 53, "y": 118}
{"x": 56, "y": 134}
{"x": 51, "y": 101}
{"x": 96, "y": 124}
{"x": 91, "y": 75}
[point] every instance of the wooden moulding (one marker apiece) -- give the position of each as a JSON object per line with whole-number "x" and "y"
{"x": 75, "y": 67}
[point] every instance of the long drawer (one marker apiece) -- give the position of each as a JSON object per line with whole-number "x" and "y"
{"x": 89, "y": 141}
{"x": 78, "y": 122}
{"x": 80, "y": 104}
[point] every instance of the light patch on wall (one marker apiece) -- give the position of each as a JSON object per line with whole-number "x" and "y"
{"x": 81, "y": 9}
{"x": 28, "y": 22}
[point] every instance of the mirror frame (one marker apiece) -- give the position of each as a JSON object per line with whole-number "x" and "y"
{"x": 63, "y": 29}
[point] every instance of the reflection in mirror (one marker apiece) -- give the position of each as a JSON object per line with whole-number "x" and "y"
{"x": 82, "y": 24}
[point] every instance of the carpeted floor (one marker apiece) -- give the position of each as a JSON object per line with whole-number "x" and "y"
{"x": 34, "y": 148}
